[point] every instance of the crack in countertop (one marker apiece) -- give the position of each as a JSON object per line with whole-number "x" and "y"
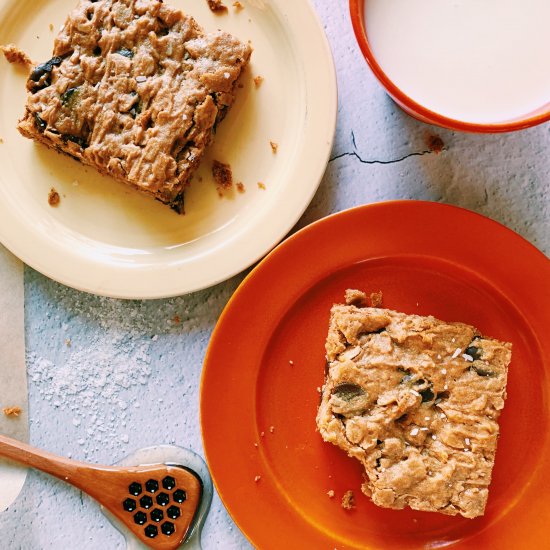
{"x": 376, "y": 161}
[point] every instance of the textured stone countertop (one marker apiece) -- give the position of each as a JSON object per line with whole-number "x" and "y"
{"x": 152, "y": 364}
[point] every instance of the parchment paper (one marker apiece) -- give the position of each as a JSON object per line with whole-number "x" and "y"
{"x": 13, "y": 373}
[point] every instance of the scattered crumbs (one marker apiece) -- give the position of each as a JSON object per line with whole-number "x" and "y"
{"x": 318, "y": 389}
{"x": 331, "y": 493}
{"x": 376, "y": 299}
{"x": 68, "y": 342}
{"x": 176, "y": 319}
{"x": 238, "y": 6}
{"x": 290, "y": 362}
{"x": 348, "y": 500}
{"x": 223, "y": 176}
{"x": 240, "y": 187}
{"x": 50, "y": 26}
{"x": 256, "y": 445}
{"x": 453, "y": 340}
{"x": 272, "y": 429}
{"x": 258, "y": 81}
{"x": 467, "y": 357}
{"x": 456, "y": 353}
{"x": 261, "y": 185}
{"x": 435, "y": 144}
{"x": 355, "y": 298}
{"x": 274, "y": 146}
{"x": 443, "y": 371}
{"x": 434, "y": 436}
{"x": 53, "y": 197}
{"x": 11, "y": 412}
{"x": 414, "y": 431}
{"x": 124, "y": 438}
{"x": 14, "y": 55}
{"x": 257, "y": 478}
{"x": 217, "y": 6}
{"x": 262, "y": 434}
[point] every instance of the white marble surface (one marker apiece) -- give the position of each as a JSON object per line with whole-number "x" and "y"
{"x": 381, "y": 156}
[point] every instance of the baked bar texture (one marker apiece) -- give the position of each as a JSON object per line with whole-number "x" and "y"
{"x": 135, "y": 89}
{"x": 416, "y": 400}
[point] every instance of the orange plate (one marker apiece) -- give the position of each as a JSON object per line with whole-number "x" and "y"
{"x": 427, "y": 258}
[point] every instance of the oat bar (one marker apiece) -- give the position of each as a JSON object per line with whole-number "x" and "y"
{"x": 416, "y": 400}
{"x": 135, "y": 89}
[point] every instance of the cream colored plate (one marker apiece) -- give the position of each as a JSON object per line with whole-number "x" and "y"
{"x": 110, "y": 240}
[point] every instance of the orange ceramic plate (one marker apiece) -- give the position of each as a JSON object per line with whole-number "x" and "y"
{"x": 427, "y": 258}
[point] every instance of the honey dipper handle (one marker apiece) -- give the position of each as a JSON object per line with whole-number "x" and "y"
{"x": 49, "y": 463}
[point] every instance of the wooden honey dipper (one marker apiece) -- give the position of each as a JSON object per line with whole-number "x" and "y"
{"x": 157, "y": 503}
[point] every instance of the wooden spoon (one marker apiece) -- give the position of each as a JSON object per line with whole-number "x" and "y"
{"x": 155, "y": 502}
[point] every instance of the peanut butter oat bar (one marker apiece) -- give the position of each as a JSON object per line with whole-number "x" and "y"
{"x": 416, "y": 400}
{"x": 135, "y": 89}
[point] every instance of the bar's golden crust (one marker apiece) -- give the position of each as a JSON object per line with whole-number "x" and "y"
{"x": 135, "y": 89}
{"x": 416, "y": 400}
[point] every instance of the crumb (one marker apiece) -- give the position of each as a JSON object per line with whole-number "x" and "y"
{"x": 240, "y": 187}
{"x": 262, "y": 434}
{"x": 50, "y": 26}
{"x": 12, "y": 412}
{"x": 68, "y": 343}
{"x": 272, "y": 429}
{"x": 217, "y": 6}
{"x": 14, "y": 55}
{"x": 53, "y": 197}
{"x": 348, "y": 500}
{"x": 176, "y": 319}
{"x": 257, "y": 478}
{"x": 258, "y": 81}
{"x": 330, "y": 494}
{"x": 238, "y": 6}
{"x": 291, "y": 362}
{"x": 318, "y": 389}
{"x": 376, "y": 299}
{"x": 274, "y": 146}
{"x": 261, "y": 185}
{"x": 356, "y": 298}
{"x": 435, "y": 144}
{"x": 223, "y": 176}
{"x": 256, "y": 445}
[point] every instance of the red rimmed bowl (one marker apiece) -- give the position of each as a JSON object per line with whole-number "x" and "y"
{"x": 421, "y": 112}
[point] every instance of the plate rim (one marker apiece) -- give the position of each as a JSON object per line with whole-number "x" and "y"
{"x": 208, "y": 442}
{"x": 84, "y": 272}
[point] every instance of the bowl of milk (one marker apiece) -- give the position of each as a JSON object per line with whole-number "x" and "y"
{"x": 472, "y": 65}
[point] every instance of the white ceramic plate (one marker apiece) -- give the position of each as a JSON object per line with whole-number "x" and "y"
{"x": 107, "y": 239}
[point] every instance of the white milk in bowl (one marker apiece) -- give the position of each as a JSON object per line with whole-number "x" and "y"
{"x": 476, "y": 61}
